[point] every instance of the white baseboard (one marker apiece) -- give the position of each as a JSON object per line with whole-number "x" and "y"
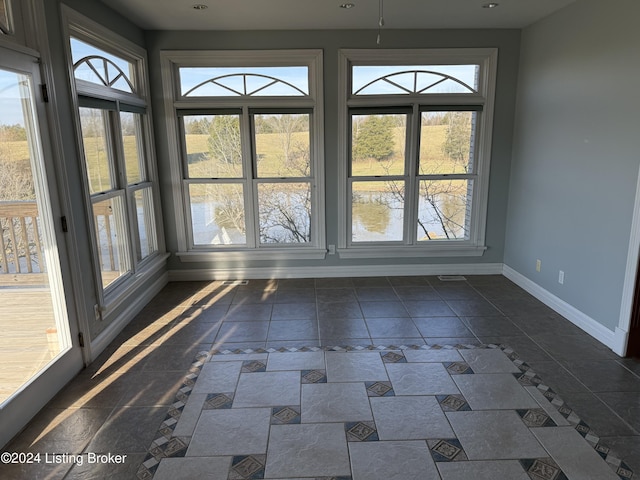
{"x": 107, "y": 336}
{"x": 336, "y": 271}
{"x": 616, "y": 341}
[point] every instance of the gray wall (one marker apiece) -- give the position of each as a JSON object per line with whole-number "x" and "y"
{"x": 576, "y": 154}
{"x": 507, "y": 41}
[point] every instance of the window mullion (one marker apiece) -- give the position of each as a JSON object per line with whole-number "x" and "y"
{"x": 411, "y": 186}
{"x": 129, "y": 224}
{"x": 250, "y": 185}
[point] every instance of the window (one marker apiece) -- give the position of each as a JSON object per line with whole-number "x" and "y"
{"x": 5, "y": 26}
{"x": 114, "y": 133}
{"x": 248, "y": 152}
{"x": 415, "y": 150}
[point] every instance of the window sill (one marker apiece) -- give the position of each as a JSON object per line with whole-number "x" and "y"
{"x": 116, "y": 297}
{"x": 258, "y": 254}
{"x": 402, "y": 251}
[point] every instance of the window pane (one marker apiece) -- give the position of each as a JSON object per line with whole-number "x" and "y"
{"x": 446, "y": 144}
{"x": 111, "y": 233}
{"x": 217, "y": 214}
{"x": 377, "y": 212}
{"x": 131, "y": 124}
{"x": 96, "y": 151}
{"x": 4, "y": 18}
{"x": 214, "y": 146}
{"x": 282, "y": 145}
{"x": 414, "y": 79}
{"x": 146, "y": 222}
{"x": 244, "y": 81}
{"x": 94, "y": 65}
{"x": 378, "y": 144}
{"x": 285, "y": 212}
{"x": 444, "y": 209}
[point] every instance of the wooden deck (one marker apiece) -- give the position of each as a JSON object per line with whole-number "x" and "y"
{"x": 27, "y": 342}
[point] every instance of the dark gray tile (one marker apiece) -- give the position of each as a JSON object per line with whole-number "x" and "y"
{"x": 626, "y": 405}
{"x": 222, "y": 345}
{"x": 383, "y": 309}
{"x": 522, "y": 307}
{"x": 249, "y": 313}
{"x": 525, "y": 347}
{"x": 597, "y": 415}
{"x": 176, "y": 358}
{"x": 113, "y": 471}
{"x": 234, "y": 332}
{"x": 627, "y": 448}
{"x": 94, "y": 390}
{"x": 452, "y": 341}
{"x": 491, "y": 326}
{"x": 344, "y": 342}
{"x": 129, "y": 429}
{"x": 376, "y": 294}
{"x": 632, "y": 364}
{"x": 370, "y": 282}
{"x": 204, "y": 314}
{"x": 293, "y": 330}
{"x": 442, "y": 327}
{"x": 557, "y": 377}
{"x": 457, "y": 291}
{"x": 253, "y": 295}
{"x": 339, "y": 310}
{"x": 386, "y": 341}
{"x": 535, "y": 324}
{"x": 295, "y": 311}
{"x": 339, "y": 282}
{"x": 392, "y": 327}
{"x": 61, "y": 430}
{"x": 292, "y": 343}
{"x": 296, "y": 295}
{"x": 185, "y": 333}
{"x": 407, "y": 281}
{"x": 417, "y": 292}
{"x": 337, "y": 328}
{"x": 432, "y": 308}
{"x": 573, "y": 348}
{"x": 332, "y": 295}
{"x": 604, "y": 376}
{"x": 260, "y": 284}
{"x": 473, "y": 308}
{"x": 153, "y": 389}
{"x": 293, "y": 283}
{"x": 219, "y": 296}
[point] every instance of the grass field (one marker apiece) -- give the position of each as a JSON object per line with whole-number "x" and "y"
{"x": 269, "y": 149}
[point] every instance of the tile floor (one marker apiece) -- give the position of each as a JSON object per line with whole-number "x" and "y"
{"x": 471, "y": 407}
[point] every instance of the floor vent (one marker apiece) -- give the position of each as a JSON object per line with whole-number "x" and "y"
{"x": 452, "y": 278}
{"x": 235, "y": 282}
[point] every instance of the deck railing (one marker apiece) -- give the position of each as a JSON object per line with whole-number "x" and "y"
{"x": 21, "y": 255}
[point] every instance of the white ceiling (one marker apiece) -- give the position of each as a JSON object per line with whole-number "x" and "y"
{"x": 327, "y": 14}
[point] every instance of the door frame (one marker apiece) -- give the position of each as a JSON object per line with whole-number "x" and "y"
{"x": 30, "y": 398}
{"x": 628, "y": 329}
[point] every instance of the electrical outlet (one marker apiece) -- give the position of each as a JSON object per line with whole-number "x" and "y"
{"x": 561, "y": 277}
{"x": 538, "y": 265}
{"x": 332, "y": 249}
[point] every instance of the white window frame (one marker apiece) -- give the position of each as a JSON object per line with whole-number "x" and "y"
{"x": 171, "y": 61}
{"x": 85, "y": 29}
{"x": 487, "y": 60}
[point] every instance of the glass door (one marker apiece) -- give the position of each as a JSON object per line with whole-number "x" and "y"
{"x": 37, "y": 353}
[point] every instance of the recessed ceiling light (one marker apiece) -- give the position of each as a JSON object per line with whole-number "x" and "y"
{"x": 347, "y": 5}
{"x": 200, "y": 6}
{"x": 490, "y": 5}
